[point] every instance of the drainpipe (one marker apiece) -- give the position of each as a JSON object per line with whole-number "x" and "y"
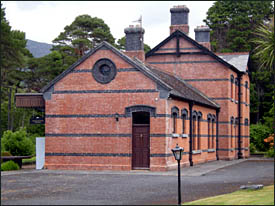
{"x": 240, "y": 155}
{"x": 191, "y": 132}
{"x": 217, "y": 133}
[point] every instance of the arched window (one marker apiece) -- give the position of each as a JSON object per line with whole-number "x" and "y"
{"x": 246, "y": 131}
{"x": 175, "y": 114}
{"x": 213, "y": 131}
{"x": 236, "y": 132}
{"x": 236, "y": 89}
{"x": 199, "y": 131}
{"x": 231, "y": 132}
{"x": 209, "y": 119}
{"x": 232, "y": 86}
{"x": 246, "y": 92}
{"x": 184, "y": 115}
{"x": 194, "y": 114}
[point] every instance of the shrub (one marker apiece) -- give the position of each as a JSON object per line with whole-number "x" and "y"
{"x": 17, "y": 143}
{"x": 258, "y": 133}
{"x": 5, "y": 154}
{"x": 252, "y": 148}
{"x": 270, "y": 153}
{"x": 9, "y": 165}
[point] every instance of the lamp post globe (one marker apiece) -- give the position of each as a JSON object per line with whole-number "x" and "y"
{"x": 177, "y": 152}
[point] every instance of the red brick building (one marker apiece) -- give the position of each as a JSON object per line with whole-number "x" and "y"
{"x": 118, "y": 110}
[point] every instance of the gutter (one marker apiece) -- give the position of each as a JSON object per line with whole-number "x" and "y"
{"x": 240, "y": 155}
{"x": 191, "y": 132}
{"x": 217, "y": 133}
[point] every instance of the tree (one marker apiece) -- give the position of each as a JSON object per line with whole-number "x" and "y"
{"x": 122, "y": 41}
{"x": 42, "y": 70}
{"x": 233, "y": 22}
{"x": 13, "y": 54}
{"x": 83, "y": 34}
{"x": 13, "y": 60}
{"x": 265, "y": 44}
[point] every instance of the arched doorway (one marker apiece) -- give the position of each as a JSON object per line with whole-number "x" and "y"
{"x": 141, "y": 140}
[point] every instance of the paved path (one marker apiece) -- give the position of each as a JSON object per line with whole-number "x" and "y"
{"x": 51, "y": 187}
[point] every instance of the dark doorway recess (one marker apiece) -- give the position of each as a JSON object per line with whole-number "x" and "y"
{"x": 141, "y": 140}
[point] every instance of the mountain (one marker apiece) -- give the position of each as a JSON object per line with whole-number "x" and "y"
{"x": 38, "y": 49}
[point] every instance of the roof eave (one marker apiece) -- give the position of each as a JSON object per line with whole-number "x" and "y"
{"x": 196, "y": 102}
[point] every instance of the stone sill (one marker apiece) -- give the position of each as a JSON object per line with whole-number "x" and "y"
{"x": 196, "y": 152}
{"x": 175, "y": 135}
{"x": 184, "y": 135}
{"x": 211, "y": 150}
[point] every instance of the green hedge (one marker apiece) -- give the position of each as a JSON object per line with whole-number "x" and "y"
{"x": 17, "y": 143}
{"x": 258, "y": 132}
{"x": 9, "y": 165}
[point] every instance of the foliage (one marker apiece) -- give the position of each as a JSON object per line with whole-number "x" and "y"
{"x": 44, "y": 69}
{"x": 258, "y": 133}
{"x": 122, "y": 41}
{"x": 13, "y": 54}
{"x": 83, "y": 34}
{"x": 252, "y": 148}
{"x": 264, "y": 196}
{"x": 261, "y": 95}
{"x": 4, "y": 153}
{"x": 17, "y": 143}
{"x": 270, "y": 140}
{"x": 9, "y": 165}
{"x": 233, "y": 22}
{"x": 265, "y": 42}
{"x": 270, "y": 152}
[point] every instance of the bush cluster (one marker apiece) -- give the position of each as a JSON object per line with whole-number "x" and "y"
{"x": 9, "y": 165}
{"x": 258, "y": 132}
{"x": 17, "y": 143}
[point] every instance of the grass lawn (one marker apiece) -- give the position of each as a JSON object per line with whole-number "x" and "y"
{"x": 263, "y": 196}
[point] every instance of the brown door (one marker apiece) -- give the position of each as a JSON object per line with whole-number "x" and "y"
{"x": 141, "y": 146}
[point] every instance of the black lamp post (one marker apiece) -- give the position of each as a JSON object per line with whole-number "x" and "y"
{"x": 177, "y": 152}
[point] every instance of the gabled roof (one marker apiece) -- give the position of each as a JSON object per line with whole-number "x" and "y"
{"x": 238, "y": 60}
{"x": 102, "y": 45}
{"x": 225, "y": 61}
{"x": 175, "y": 86}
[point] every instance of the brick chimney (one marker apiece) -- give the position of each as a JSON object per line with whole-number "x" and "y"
{"x": 179, "y": 19}
{"x": 202, "y": 35}
{"x": 134, "y": 42}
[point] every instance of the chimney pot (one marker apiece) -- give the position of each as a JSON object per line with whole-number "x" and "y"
{"x": 202, "y": 35}
{"x": 179, "y": 19}
{"x": 134, "y": 42}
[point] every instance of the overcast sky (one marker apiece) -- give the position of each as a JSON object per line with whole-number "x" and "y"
{"x": 43, "y": 21}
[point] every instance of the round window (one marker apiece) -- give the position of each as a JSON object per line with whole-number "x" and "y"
{"x": 104, "y": 71}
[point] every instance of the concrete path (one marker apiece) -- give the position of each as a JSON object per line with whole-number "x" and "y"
{"x": 48, "y": 187}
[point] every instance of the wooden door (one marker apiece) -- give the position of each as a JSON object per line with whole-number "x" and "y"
{"x": 141, "y": 147}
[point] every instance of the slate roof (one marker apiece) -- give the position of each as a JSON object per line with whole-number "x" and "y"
{"x": 236, "y": 63}
{"x": 174, "y": 85}
{"x": 238, "y": 60}
{"x": 180, "y": 88}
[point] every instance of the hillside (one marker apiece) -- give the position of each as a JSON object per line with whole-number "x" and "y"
{"x": 38, "y": 49}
